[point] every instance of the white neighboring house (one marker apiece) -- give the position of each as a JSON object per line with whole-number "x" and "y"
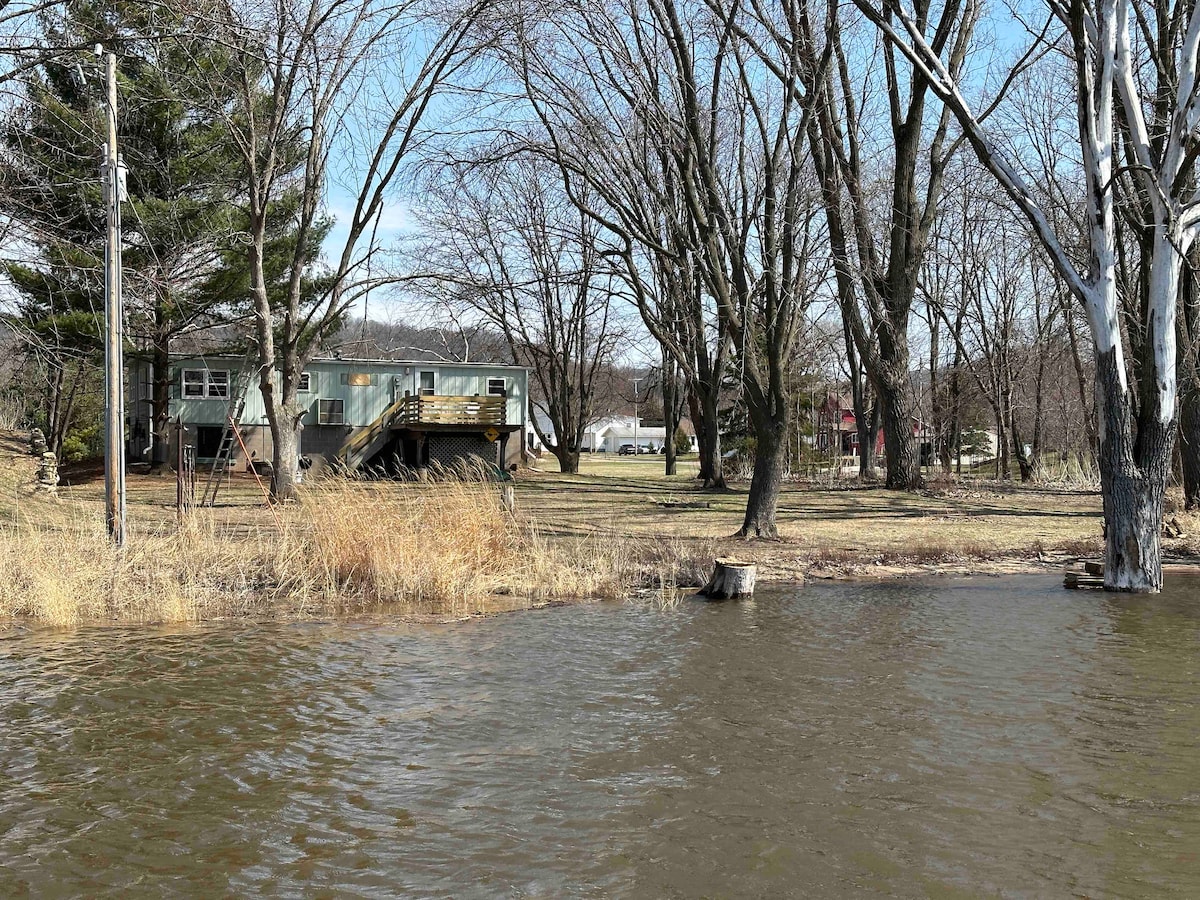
{"x": 533, "y": 443}
{"x": 609, "y": 433}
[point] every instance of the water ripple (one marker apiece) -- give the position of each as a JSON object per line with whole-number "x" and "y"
{"x": 990, "y": 736}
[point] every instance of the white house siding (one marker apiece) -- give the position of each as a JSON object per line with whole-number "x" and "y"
{"x": 608, "y": 434}
{"x": 615, "y": 437}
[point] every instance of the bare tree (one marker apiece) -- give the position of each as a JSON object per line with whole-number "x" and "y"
{"x": 602, "y": 91}
{"x": 317, "y": 78}
{"x": 988, "y": 286}
{"x": 735, "y": 150}
{"x": 508, "y": 245}
{"x": 1137, "y": 414}
{"x": 878, "y": 278}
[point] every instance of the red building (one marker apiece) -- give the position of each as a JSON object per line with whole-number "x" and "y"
{"x": 836, "y": 428}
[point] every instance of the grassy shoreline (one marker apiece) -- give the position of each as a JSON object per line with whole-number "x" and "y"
{"x": 447, "y": 550}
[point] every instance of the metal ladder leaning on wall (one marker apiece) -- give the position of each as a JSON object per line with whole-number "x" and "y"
{"x": 229, "y": 434}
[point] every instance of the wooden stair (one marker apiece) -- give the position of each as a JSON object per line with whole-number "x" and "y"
{"x": 362, "y": 445}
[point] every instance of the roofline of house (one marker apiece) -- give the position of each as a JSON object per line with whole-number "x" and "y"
{"x": 175, "y": 357}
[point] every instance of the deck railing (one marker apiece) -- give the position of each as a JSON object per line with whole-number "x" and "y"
{"x": 483, "y": 411}
{"x": 486, "y": 409}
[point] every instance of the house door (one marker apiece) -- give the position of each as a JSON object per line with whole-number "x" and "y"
{"x": 208, "y": 441}
{"x": 426, "y": 382}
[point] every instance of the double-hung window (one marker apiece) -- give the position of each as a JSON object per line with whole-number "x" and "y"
{"x": 200, "y": 384}
{"x": 218, "y": 383}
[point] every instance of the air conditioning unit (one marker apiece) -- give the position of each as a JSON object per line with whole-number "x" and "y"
{"x": 330, "y": 412}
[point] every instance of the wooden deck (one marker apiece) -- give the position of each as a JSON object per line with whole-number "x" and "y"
{"x": 434, "y": 412}
{"x": 484, "y": 411}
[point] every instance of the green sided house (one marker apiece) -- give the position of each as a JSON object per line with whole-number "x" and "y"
{"x": 374, "y": 414}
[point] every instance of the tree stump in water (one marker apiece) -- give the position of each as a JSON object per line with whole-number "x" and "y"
{"x": 730, "y": 579}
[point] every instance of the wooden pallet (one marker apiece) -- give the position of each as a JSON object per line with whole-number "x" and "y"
{"x": 1087, "y": 574}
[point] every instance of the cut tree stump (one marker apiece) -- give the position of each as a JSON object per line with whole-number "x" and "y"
{"x": 730, "y": 579}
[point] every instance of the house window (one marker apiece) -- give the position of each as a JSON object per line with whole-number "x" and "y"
{"x": 193, "y": 382}
{"x": 495, "y": 387}
{"x": 202, "y": 383}
{"x": 304, "y": 382}
{"x": 329, "y": 412}
{"x": 425, "y": 383}
{"x": 218, "y": 384}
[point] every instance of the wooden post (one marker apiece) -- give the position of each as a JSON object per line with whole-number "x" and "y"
{"x": 730, "y": 579}
{"x": 180, "y": 472}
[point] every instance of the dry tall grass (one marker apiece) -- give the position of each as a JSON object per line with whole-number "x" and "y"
{"x": 448, "y": 548}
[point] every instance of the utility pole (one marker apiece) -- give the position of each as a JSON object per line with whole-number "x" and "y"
{"x": 114, "y": 332}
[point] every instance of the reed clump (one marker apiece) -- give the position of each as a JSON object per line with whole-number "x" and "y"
{"x": 448, "y": 548}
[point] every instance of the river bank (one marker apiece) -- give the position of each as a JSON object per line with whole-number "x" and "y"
{"x": 448, "y": 550}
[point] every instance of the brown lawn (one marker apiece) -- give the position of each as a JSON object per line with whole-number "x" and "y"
{"x": 952, "y": 526}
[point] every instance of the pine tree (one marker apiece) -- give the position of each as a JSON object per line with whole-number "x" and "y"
{"x": 179, "y": 221}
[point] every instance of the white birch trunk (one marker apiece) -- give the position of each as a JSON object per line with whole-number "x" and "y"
{"x": 1133, "y": 468}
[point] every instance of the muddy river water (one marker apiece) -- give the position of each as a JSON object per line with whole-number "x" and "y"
{"x": 995, "y": 736}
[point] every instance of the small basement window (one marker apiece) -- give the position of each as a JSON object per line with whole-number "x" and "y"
{"x": 495, "y": 387}
{"x": 329, "y": 412}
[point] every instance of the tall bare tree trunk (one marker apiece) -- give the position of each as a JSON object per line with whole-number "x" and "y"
{"x": 1188, "y": 326}
{"x": 868, "y": 435}
{"x": 568, "y": 459}
{"x": 1024, "y": 462}
{"x": 66, "y": 408}
{"x": 1133, "y": 489}
{"x": 54, "y": 402}
{"x": 1189, "y": 442}
{"x": 160, "y": 404}
{"x": 769, "y": 464}
{"x": 866, "y": 417}
{"x": 896, "y": 415}
{"x": 670, "y": 388}
{"x": 702, "y": 403}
